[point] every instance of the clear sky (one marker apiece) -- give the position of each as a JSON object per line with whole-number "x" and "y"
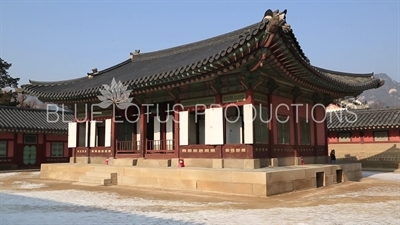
{"x": 57, "y": 40}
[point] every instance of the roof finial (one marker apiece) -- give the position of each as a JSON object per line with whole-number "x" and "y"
{"x": 267, "y": 15}
{"x": 133, "y": 54}
{"x": 94, "y": 72}
{"x": 275, "y": 20}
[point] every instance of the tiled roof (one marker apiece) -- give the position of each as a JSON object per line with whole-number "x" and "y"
{"x": 14, "y": 119}
{"x": 220, "y": 53}
{"x": 363, "y": 119}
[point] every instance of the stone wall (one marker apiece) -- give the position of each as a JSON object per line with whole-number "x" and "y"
{"x": 370, "y": 155}
{"x": 260, "y": 182}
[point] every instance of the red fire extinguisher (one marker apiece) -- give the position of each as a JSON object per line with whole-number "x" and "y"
{"x": 181, "y": 163}
{"x": 106, "y": 161}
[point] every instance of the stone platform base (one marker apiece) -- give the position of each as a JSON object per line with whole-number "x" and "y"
{"x": 254, "y": 182}
{"x": 203, "y": 163}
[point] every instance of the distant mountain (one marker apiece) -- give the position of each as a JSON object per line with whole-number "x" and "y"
{"x": 386, "y": 96}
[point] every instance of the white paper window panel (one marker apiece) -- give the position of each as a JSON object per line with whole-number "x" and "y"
{"x": 214, "y": 126}
{"x": 183, "y": 128}
{"x": 107, "y": 136}
{"x": 248, "y": 123}
{"x": 72, "y": 134}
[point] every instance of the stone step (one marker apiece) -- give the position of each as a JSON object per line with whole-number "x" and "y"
{"x": 95, "y": 180}
{"x": 86, "y": 184}
{"x": 101, "y": 174}
{"x": 153, "y": 162}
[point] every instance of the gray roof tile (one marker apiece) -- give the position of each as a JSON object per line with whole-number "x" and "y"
{"x": 33, "y": 120}
{"x": 363, "y": 119}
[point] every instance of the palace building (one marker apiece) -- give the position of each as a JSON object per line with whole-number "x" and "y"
{"x": 30, "y": 137}
{"x": 369, "y": 136}
{"x": 207, "y": 102}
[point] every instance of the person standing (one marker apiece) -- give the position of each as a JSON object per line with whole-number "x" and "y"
{"x": 333, "y": 156}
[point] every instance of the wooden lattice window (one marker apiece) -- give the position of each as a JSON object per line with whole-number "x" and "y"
{"x": 3, "y": 148}
{"x": 82, "y": 134}
{"x": 261, "y": 125}
{"x": 30, "y": 139}
{"x": 283, "y": 130}
{"x": 381, "y": 136}
{"x": 57, "y": 149}
{"x": 125, "y": 130}
{"x": 344, "y": 137}
{"x": 305, "y": 132}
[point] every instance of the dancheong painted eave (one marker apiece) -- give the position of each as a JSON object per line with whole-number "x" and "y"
{"x": 269, "y": 46}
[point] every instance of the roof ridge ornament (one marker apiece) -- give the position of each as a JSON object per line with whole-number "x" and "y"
{"x": 275, "y": 20}
{"x": 131, "y": 55}
{"x": 94, "y": 72}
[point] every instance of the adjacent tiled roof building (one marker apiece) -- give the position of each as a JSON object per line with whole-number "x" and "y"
{"x": 363, "y": 119}
{"x": 14, "y": 119}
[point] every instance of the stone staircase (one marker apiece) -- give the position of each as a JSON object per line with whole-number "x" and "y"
{"x": 98, "y": 178}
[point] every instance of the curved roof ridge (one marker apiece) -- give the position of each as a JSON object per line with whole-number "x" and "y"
{"x": 113, "y": 67}
{"x": 197, "y": 44}
{"x": 55, "y": 82}
{"x": 296, "y": 43}
{"x": 376, "y": 110}
{"x": 344, "y": 73}
{"x": 165, "y": 52}
{"x": 33, "y": 109}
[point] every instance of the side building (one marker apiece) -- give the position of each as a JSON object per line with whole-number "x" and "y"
{"x": 225, "y": 88}
{"x": 371, "y": 137}
{"x": 29, "y": 137}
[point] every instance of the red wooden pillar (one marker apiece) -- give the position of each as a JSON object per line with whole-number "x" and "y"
{"x": 249, "y": 96}
{"x": 218, "y": 101}
{"x": 163, "y": 126}
{"x": 176, "y": 129}
{"x": 326, "y": 134}
{"x": 295, "y": 127}
{"x": 88, "y": 119}
{"x": 44, "y": 144}
{"x": 270, "y": 125}
{"x": 76, "y": 141}
{"x": 315, "y": 131}
{"x": 114, "y": 132}
{"x": 143, "y": 136}
{"x": 17, "y": 153}
{"x": 135, "y": 130}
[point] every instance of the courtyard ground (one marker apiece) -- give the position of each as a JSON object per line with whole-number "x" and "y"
{"x": 27, "y": 199}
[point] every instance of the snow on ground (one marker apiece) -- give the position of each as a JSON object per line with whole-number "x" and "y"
{"x": 27, "y": 185}
{"x": 8, "y": 174}
{"x": 32, "y": 174}
{"x": 382, "y": 175}
{"x": 104, "y": 199}
{"x": 83, "y": 207}
{"x": 77, "y": 207}
{"x": 370, "y": 192}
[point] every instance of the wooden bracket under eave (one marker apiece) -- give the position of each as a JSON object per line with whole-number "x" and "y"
{"x": 172, "y": 95}
{"x": 243, "y": 82}
{"x": 258, "y": 84}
